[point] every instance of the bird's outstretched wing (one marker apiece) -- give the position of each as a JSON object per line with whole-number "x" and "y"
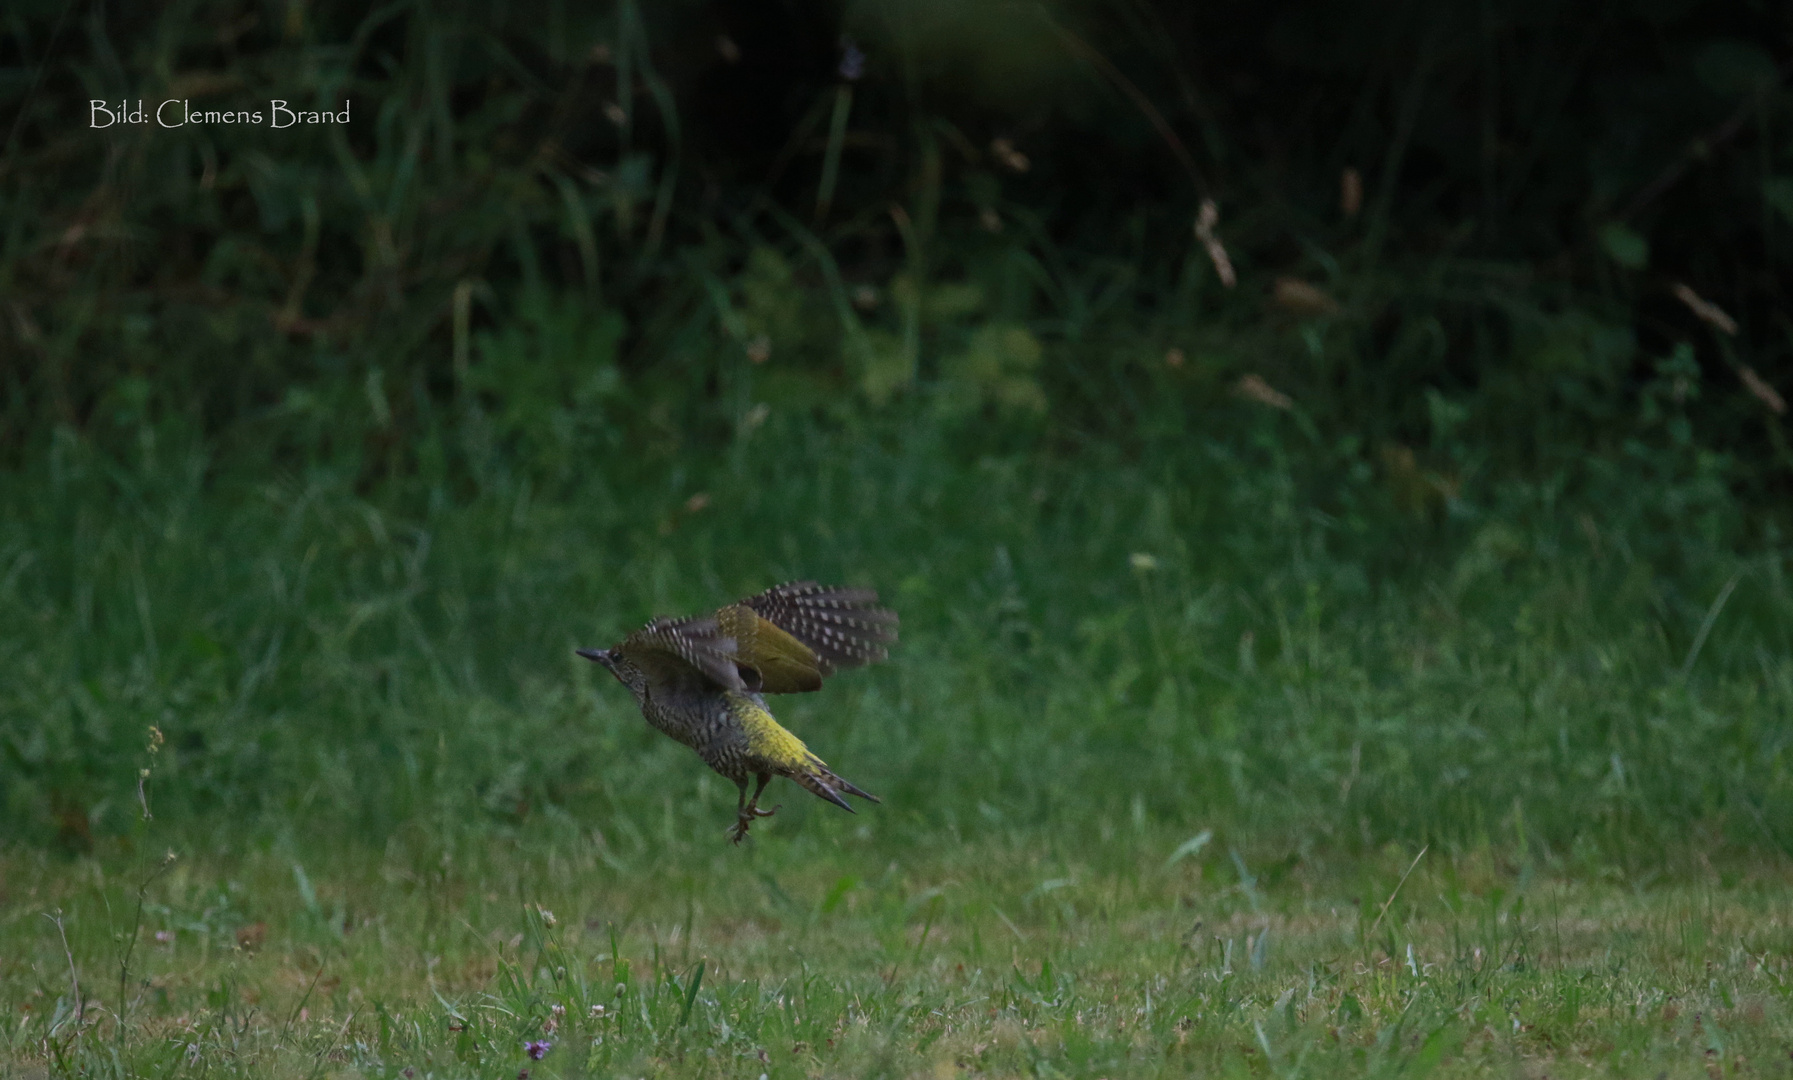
{"x": 792, "y": 635}
{"x": 678, "y": 650}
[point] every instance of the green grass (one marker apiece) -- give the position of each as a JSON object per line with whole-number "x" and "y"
{"x": 1207, "y": 633}
{"x": 375, "y": 743}
{"x": 829, "y": 953}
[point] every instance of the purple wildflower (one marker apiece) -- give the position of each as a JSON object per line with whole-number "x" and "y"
{"x": 852, "y": 61}
{"x": 537, "y": 1049}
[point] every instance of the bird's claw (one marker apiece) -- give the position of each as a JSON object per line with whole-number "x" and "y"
{"x": 738, "y": 832}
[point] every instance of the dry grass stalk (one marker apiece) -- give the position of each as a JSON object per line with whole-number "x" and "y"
{"x": 1764, "y": 393}
{"x": 1204, "y": 231}
{"x": 1709, "y": 313}
{"x": 1350, "y": 192}
{"x": 1300, "y": 298}
{"x": 1004, "y": 151}
{"x": 1256, "y": 389}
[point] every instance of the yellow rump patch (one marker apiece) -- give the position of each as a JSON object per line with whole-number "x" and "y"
{"x": 766, "y": 737}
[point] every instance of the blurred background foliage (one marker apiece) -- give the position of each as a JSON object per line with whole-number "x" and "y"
{"x": 317, "y": 441}
{"x": 591, "y": 194}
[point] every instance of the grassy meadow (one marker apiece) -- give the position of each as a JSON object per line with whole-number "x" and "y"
{"x": 1333, "y": 489}
{"x": 1181, "y": 774}
{"x": 846, "y": 955}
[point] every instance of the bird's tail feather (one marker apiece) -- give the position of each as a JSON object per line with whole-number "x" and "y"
{"x": 822, "y": 782}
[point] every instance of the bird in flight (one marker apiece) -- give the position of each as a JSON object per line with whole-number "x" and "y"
{"x": 703, "y": 680}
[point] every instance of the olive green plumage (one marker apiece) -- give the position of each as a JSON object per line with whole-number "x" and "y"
{"x": 702, "y": 679}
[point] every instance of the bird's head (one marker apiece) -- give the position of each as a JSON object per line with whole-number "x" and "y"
{"x": 617, "y": 664}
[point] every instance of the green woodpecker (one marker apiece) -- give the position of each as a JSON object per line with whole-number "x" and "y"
{"x": 702, "y": 680}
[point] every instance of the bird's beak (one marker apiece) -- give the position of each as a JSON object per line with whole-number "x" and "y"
{"x": 598, "y": 656}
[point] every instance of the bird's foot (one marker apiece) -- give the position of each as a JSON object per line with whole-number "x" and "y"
{"x": 738, "y": 832}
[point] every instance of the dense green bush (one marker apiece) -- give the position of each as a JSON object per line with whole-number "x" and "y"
{"x": 998, "y": 208}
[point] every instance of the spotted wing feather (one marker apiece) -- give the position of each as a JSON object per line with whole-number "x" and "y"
{"x": 676, "y": 650}
{"x": 845, "y": 627}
